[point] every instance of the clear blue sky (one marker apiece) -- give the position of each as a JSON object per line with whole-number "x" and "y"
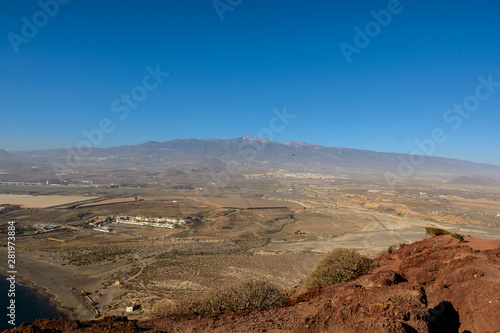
{"x": 226, "y": 76}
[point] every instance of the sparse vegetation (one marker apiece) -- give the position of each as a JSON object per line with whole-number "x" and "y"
{"x": 392, "y": 248}
{"x": 339, "y": 265}
{"x": 93, "y": 256}
{"x": 222, "y": 245}
{"x": 459, "y": 237}
{"x": 247, "y": 294}
{"x": 83, "y": 214}
{"x": 435, "y": 231}
{"x": 440, "y": 232}
{"x": 19, "y": 231}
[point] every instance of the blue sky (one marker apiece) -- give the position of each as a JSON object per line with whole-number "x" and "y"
{"x": 226, "y": 76}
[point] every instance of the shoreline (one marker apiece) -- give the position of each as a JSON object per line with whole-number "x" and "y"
{"x": 51, "y": 280}
{"x": 45, "y": 292}
{"x": 54, "y": 308}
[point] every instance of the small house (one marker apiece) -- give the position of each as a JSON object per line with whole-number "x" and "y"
{"x": 131, "y": 307}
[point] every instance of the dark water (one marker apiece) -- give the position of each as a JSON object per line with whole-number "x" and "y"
{"x": 29, "y": 305}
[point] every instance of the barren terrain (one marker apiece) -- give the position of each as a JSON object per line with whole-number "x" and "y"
{"x": 61, "y": 257}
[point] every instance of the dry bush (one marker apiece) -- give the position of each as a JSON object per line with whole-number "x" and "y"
{"x": 246, "y": 294}
{"x": 392, "y": 248}
{"x": 339, "y": 265}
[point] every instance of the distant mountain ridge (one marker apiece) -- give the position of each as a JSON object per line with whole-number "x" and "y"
{"x": 478, "y": 181}
{"x": 248, "y": 153}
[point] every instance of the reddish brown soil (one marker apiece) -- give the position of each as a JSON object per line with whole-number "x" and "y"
{"x": 436, "y": 285}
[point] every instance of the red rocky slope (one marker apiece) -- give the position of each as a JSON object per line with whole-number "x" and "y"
{"x": 435, "y": 285}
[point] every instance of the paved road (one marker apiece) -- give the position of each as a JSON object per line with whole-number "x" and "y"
{"x": 383, "y": 226}
{"x": 392, "y": 231}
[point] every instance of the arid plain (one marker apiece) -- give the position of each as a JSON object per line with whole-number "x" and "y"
{"x": 272, "y": 229}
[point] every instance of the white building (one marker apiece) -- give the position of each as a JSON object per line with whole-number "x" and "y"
{"x": 131, "y": 307}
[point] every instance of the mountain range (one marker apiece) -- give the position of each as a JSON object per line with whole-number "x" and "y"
{"x": 246, "y": 154}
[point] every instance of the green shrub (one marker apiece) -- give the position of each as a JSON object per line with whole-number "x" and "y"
{"x": 459, "y": 237}
{"x": 435, "y": 231}
{"x": 241, "y": 295}
{"x": 339, "y": 265}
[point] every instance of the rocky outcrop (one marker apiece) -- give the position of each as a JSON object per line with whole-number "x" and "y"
{"x": 435, "y": 285}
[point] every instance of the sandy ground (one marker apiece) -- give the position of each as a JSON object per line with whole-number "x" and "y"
{"x": 107, "y": 202}
{"x": 317, "y": 230}
{"x": 241, "y": 202}
{"x": 41, "y": 201}
{"x": 44, "y": 273}
{"x": 374, "y": 233}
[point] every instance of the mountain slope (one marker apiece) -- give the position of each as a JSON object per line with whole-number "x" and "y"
{"x": 478, "y": 181}
{"x": 250, "y": 154}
